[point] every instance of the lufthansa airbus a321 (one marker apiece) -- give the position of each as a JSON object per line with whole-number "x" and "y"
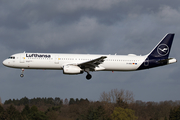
{"x": 73, "y": 64}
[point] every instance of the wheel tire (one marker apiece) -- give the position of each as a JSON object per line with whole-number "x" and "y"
{"x": 88, "y": 76}
{"x": 21, "y": 75}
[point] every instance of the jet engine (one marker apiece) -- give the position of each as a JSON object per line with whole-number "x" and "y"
{"x": 72, "y": 70}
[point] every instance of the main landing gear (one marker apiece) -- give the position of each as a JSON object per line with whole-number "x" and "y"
{"x": 22, "y": 75}
{"x": 88, "y": 76}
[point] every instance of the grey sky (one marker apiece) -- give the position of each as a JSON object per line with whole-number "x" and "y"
{"x": 93, "y": 27}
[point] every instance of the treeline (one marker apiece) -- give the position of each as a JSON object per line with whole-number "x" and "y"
{"x": 35, "y": 101}
{"x": 113, "y": 105}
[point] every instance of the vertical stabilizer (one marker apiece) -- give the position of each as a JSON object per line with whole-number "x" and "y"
{"x": 162, "y": 49}
{"x": 159, "y": 55}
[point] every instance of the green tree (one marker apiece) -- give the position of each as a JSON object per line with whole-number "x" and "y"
{"x": 8, "y": 102}
{"x": 35, "y": 114}
{"x": 50, "y": 101}
{"x": 54, "y": 108}
{"x": 123, "y": 114}
{"x": 72, "y": 101}
{"x": 1, "y": 109}
{"x": 95, "y": 113}
{"x": 12, "y": 114}
{"x": 1, "y": 112}
{"x": 77, "y": 100}
{"x": 174, "y": 114}
{"x": 26, "y": 110}
{"x": 58, "y": 101}
{"x": 34, "y": 109}
{"x": 24, "y": 101}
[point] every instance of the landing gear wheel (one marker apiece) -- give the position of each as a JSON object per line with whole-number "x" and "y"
{"x": 21, "y": 75}
{"x": 22, "y": 71}
{"x": 88, "y": 76}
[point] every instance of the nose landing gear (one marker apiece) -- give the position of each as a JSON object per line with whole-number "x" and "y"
{"x": 22, "y": 75}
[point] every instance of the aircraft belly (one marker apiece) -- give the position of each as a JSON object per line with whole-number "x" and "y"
{"x": 38, "y": 65}
{"x": 121, "y": 66}
{"x": 46, "y": 65}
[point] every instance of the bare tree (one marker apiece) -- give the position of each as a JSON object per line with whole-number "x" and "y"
{"x": 66, "y": 102}
{"x": 129, "y": 97}
{"x": 115, "y": 94}
{"x": 105, "y": 97}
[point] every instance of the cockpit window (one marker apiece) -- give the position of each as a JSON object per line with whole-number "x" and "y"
{"x": 11, "y": 57}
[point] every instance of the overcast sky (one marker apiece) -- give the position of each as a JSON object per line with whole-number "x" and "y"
{"x": 90, "y": 27}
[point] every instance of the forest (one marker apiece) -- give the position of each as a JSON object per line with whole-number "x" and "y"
{"x": 113, "y": 105}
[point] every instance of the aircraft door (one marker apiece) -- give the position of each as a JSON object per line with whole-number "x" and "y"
{"x": 56, "y": 59}
{"x": 22, "y": 58}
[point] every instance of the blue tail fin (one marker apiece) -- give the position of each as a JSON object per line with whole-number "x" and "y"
{"x": 159, "y": 55}
{"x": 162, "y": 49}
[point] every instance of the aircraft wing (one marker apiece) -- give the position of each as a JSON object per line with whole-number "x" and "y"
{"x": 92, "y": 63}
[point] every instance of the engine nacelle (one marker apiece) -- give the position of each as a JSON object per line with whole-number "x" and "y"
{"x": 72, "y": 70}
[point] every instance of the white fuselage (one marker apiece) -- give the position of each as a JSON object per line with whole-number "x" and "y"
{"x": 57, "y": 61}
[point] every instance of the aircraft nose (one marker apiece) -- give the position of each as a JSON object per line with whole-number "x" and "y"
{"x": 5, "y": 62}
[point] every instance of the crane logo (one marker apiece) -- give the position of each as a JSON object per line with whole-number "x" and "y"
{"x": 163, "y": 49}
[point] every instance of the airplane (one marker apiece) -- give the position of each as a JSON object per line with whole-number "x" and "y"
{"x": 73, "y": 64}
